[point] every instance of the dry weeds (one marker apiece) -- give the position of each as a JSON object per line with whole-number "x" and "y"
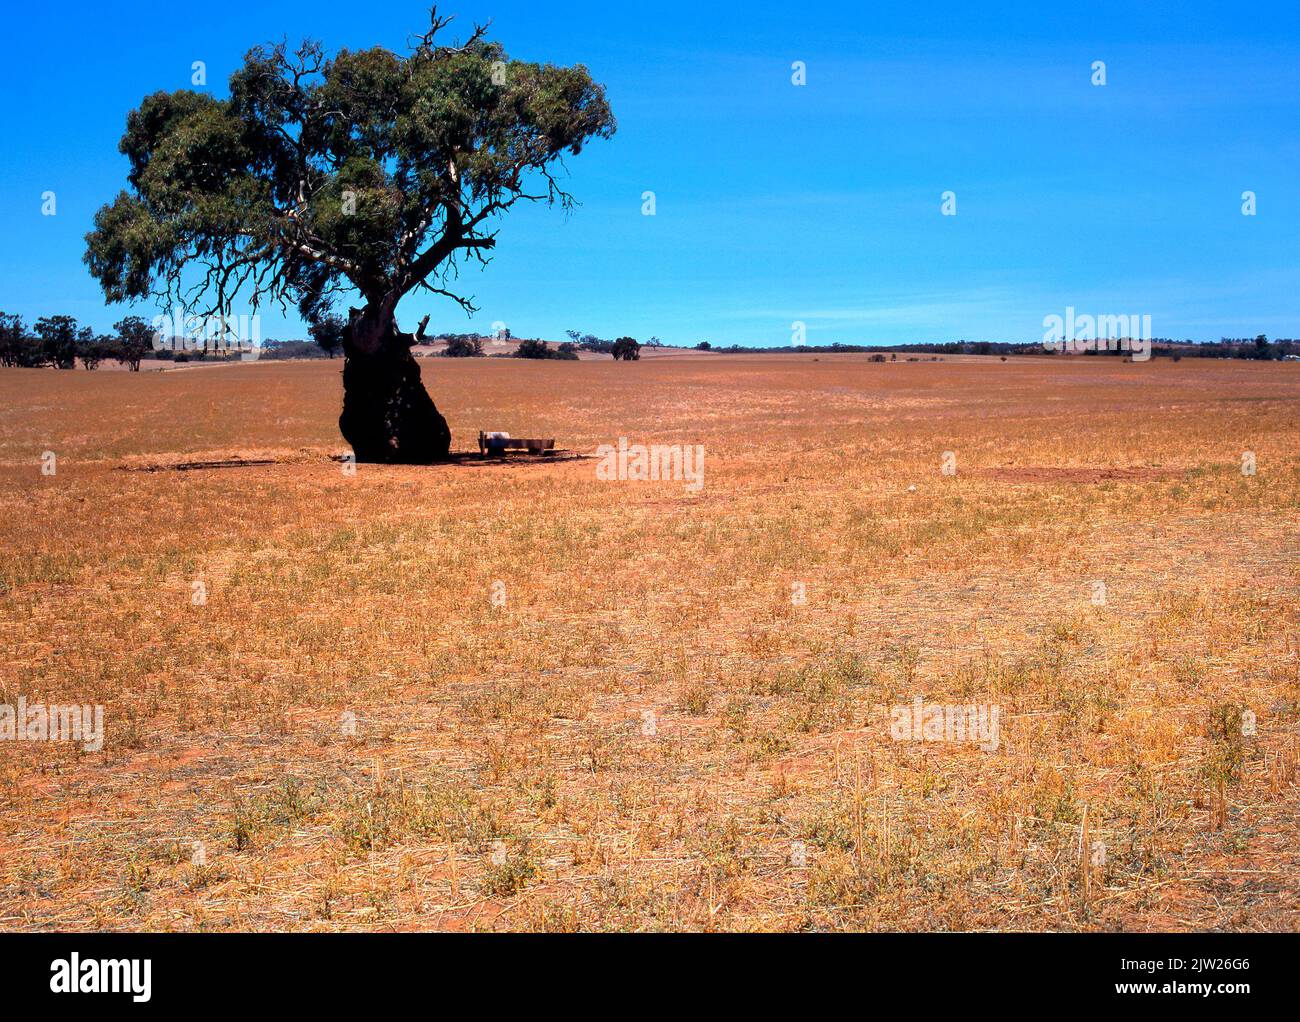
{"x": 650, "y": 734}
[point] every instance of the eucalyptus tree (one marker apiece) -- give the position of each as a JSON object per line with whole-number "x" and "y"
{"x": 361, "y": 176}
{"x": 133, "y": 343}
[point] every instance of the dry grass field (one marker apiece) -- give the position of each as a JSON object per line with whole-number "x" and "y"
{"x": 653, "y": 732}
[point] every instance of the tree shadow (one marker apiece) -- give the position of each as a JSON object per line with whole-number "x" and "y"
{"x": 456, "y": 459}
{"x": 472, "y": 459}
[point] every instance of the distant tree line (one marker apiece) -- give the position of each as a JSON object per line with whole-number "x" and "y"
{"x": 60, "y": 342}
{"x": 1239, "y": 347}
{"x": 277, "y": 350}
{"x": 471, "y": 346}
{"x": 1247, "y": 348}
{"x": 627, "y": 349}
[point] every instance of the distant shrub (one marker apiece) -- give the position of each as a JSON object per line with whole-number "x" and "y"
{"x": 465, "y": 346}
{"x": 532, "y": 349}
{"x": 627, "y": 349}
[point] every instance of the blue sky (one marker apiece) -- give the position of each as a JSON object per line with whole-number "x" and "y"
{"x": 776, "y": 203}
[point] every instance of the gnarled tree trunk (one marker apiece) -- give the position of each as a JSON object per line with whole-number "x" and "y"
{"x": 388, "y": 416}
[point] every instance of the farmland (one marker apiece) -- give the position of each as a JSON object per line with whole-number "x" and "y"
{"x": 511, "y": 695}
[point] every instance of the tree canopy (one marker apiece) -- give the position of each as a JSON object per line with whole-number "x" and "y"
{"x": 366, "y": 171}
{"x": 626, "y": 348}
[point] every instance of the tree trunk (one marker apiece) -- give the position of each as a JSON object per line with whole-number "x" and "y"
{"x": 388, "y": 416}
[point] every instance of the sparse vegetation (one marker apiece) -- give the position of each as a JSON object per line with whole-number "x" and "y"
{"x": 651, "y": 733}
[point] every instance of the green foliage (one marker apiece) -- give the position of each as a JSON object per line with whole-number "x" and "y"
{"x": 627, "y": 349}
{"x": 579, "y": 341}
{"x": 92, "y": 350}
{"x": 134, "y": 340}
{"x": 327, "y": 331}
{"x": 464, "y": 347}
{"x": 18, "y": 348}
{"x": 532, "y": 349}
{"x": 62, "y": 340}
{"x": 540, "y": 349}
{"x": 320, "y": 174}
